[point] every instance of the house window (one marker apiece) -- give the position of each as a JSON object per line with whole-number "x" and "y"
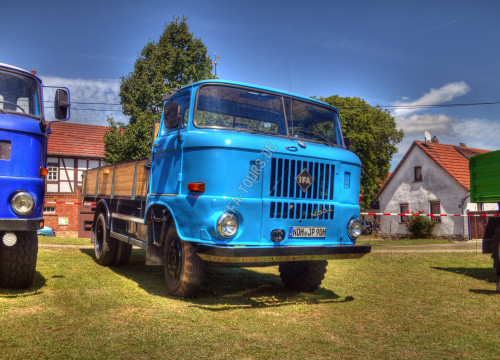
{"x": 49, "y": 210}
{"x": 52, "y": 176}
{"x": 403, "y": 209}
{"x": 418, "y": 173}
{"x": 436, "y": 209}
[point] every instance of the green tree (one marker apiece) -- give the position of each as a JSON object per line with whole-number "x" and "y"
{"x": 374, "y": 137}
{"x": 176, "y": 60}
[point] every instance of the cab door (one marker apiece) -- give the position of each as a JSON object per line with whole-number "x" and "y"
{"x": 166, "y": 170}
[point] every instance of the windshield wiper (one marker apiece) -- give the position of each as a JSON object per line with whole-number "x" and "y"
{"x": 322, "y": 137}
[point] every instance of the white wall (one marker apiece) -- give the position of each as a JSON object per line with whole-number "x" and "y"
{"x": 436, "y": 184}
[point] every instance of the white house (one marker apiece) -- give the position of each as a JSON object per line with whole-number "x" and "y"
{"x": 432, "y": 178}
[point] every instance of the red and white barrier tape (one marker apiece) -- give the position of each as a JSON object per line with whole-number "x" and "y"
{"x": 363, "y": 213}
{"x": 435, "y": 215}
{"x": 70, "y": 203}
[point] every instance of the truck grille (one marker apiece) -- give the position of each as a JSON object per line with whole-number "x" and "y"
{"x": 284, "y": 172}
{"x": 300, "y": 210}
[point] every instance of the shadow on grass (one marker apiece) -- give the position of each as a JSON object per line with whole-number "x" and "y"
{"x": 487, "y": 275}
{"x": 483, "y": 274}
{"x": 38, "y": 282}
{"x": 225, "y": 288}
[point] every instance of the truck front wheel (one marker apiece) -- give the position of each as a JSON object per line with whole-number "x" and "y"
{"x": 184, "y": 270}
{"x": 303, "y": 276}
{"x": 105, "y": 247}
{"x": 18, "y": 262}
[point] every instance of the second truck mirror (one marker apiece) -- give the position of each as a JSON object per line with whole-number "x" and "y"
{"x": 172, "y": 115}
{"x": 61, "y": 104}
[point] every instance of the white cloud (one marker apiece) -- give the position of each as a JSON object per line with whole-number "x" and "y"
{"x": 438, "y": 26}
{"x": 417, "y": 124}
{"x": 88, "y": 92}
{"x": 433, "y": 97}
{"x": 477, "y": 133}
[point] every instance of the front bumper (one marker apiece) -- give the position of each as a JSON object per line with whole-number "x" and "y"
{"x": 261, "y": 256}
{"x": 21, "y": 224}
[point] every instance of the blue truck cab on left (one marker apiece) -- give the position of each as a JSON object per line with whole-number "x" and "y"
{"x": 23, "y": 156}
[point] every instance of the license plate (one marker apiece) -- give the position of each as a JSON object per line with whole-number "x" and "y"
{"x": 306, "y": 232}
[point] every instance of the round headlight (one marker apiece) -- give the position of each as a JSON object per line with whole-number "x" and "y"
{"x": 227, "y": 225}
{"x": 22, "y": 203}
{"x": 355, "y": 228}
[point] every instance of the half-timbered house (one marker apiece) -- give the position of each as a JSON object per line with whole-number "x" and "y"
{"x": 72, "y": 149}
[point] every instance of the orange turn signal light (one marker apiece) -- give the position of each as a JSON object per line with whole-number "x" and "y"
{"x": 43, "y": 171}
{"x": 196, "y": 186}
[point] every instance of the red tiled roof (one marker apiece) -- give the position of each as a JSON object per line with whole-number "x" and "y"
{"x": 76, "y": 139}
{"x": 452, "y": 159}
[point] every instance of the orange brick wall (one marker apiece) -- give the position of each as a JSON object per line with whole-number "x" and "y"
{"x": 65, "y": 211}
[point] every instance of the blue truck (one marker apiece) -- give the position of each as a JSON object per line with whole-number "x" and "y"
{"x": 23, "y": 159}
{"x": 238, "y": 176}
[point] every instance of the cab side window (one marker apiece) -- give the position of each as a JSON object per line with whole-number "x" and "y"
{"x": 183, "y": 102}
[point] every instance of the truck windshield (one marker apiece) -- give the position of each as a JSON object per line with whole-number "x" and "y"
{"x": 19, "y": 94}
{"x": 252, "y": 110}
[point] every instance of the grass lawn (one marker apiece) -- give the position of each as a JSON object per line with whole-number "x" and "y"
{"x": 378, "y": 241}
{"x": 384, "y": 306}
{"x": 63, "y": 240}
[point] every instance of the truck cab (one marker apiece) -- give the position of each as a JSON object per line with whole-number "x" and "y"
{"x": 23, "y": 154}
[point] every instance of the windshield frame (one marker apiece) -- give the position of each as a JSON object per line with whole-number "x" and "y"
{"x": 287, "y": 121}
{"x": 38, "y": 105}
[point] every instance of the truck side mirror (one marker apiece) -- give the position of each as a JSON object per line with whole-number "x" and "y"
{"x": 347, "y": 143}
{"x": 172, "y": 115}
{"x": 61, "y": 104}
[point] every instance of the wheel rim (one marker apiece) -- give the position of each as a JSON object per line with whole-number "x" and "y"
{"x": 174, "y": 259}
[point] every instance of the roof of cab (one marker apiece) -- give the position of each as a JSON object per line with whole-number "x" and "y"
{"x": 19, "y": 69}
{"x": 228, "y": 82}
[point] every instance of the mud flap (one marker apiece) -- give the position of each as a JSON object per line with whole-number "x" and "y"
{"x": 154, "y": 255}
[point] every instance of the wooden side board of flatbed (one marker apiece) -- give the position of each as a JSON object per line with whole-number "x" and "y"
{"x": 125, "y": 180}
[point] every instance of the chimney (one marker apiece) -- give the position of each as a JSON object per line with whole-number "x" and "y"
{"x": 435, "y": 139}
{"x": 462, "y": 145}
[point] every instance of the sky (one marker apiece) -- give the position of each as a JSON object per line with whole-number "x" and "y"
{"x": 406, "y": 55}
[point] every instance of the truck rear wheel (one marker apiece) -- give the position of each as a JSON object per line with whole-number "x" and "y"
{"x": 18, "y": 262}
{"x": 303, "y": 276}
{"x": 184, "y": 270}
{"x": 105, "y": 247}
{"x": 495, "y": 247}
{"x": 123, "y": 253}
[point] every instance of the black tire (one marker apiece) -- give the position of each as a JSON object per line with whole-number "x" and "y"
{"x": 496, "y": 255}
{"x": 305, "y": 276}
{"x": 184, "y": 270}
{"x": 105, "y": 247}
{"x": 123, "y": 253}
{"x": 18, "y": 262}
